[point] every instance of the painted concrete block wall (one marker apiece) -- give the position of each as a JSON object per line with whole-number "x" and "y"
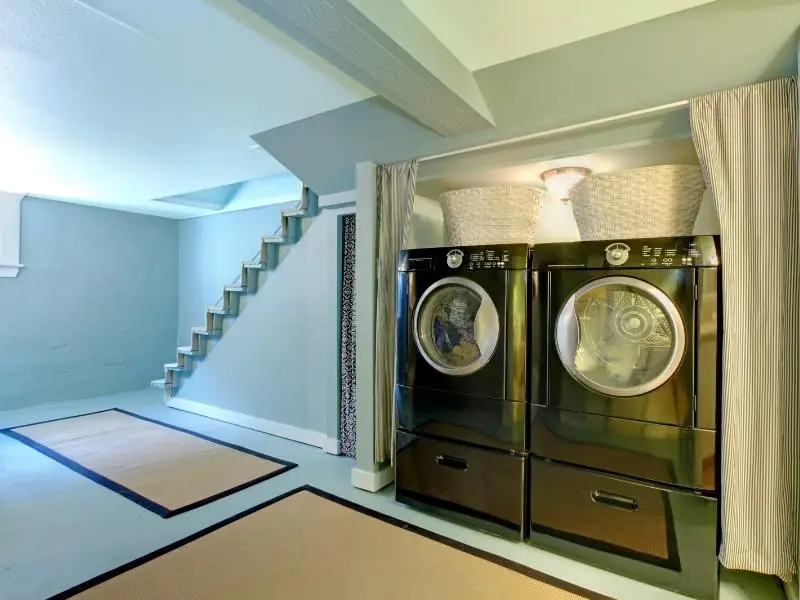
{"x": 211, "y": 249}
{"x": 426, "y": 229}
{"x": 94, "y": 310}
{"x": 279, "y": 360}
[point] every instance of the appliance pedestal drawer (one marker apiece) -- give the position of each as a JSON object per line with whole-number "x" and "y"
{"x": 482, "y": 486}
{"x": 652, "y": 533}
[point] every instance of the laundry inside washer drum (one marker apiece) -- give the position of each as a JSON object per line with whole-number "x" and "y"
{"x": 449, "y": 315}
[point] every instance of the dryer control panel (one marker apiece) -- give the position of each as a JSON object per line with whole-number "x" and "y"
{"x": 690, "y": 251}
{"x": 466, "y": 258}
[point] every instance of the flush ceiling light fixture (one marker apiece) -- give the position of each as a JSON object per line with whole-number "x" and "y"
{"x": 561, "y": 180}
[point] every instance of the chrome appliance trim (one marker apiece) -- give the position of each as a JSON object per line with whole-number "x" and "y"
{"x": 568, "y": 336}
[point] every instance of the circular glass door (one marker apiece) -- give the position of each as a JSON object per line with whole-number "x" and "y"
{"x": 620, "y": 336}
{"x": 456, "y": 326}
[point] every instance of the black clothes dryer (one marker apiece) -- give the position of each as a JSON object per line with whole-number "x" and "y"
{"x": 625, "y": 369}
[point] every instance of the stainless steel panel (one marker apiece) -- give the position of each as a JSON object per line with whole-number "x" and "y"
{"x": 484, "y": 484}
{"x": 516, "y": 335}
{"x": 660, "y": 536}
{"x": 538, "y": 336}
{"x": 709, "y": 340}
{"x": 483, "y": 421}
{"x": 679, "y": 456}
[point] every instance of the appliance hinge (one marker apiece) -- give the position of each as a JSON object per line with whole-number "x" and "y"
{"x": 695, "y": 292}
{"x": 694, "y": 405}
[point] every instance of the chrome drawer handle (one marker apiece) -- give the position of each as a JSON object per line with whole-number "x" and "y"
{"x": 452, "y": 462}
{"x": 615, "y": 500}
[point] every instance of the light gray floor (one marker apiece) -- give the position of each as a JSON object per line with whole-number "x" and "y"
{"x": 58, "y": 528}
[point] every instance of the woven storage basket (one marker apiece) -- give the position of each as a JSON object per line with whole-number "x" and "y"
{"x": 657, "y": 201}
{"x": 505, "y": 214}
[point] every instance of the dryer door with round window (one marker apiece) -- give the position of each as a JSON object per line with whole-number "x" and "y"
{"x": 625, "y": 339}
{"x": 456, "y": 327}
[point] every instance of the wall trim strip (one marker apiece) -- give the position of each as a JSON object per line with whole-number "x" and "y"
{"x": 289, "y": 432}
{"x": 371, "y": 481}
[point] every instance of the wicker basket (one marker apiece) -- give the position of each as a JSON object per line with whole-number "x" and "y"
{"x": 657, "y": 201}
{"x": 506, "y": 214}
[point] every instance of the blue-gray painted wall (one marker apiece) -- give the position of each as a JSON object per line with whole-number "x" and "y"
{"x": 279, "y": 361}
{"x": 94, "y": 310}
{"x": 211, "y": 250}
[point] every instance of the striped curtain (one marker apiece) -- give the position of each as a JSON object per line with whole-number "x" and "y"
{"x": 747, "y": 142}
{"x": 396, "y": 183}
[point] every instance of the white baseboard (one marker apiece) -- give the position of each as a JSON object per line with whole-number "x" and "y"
{"x": 792, "y": 589}
{"x": 372, "y": 481}
{"x": 331, "y": 446}
{"x": 290, "y": 432}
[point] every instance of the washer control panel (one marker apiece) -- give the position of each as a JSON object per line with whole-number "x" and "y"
{"x": 688, "y": 251}
{"x": 669, "y": 255}
{"x": 489, "y": 258}
{"x": 470, "y": 258}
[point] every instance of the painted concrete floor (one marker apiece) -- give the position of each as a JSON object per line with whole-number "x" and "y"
{"x": 58, "y": 528}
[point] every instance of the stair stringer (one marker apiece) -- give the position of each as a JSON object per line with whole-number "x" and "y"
{"x": 259, "y": 374}
{"x": 273, "y": 249}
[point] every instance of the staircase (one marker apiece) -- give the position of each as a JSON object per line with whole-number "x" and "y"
{"x": 253, "y": 275}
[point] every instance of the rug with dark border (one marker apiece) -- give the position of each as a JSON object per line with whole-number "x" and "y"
{"x": 309, "y": 544}
{"x": 162, "y": 467}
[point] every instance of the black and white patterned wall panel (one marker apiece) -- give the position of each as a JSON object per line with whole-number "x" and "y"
{"x": 347, "y": 408}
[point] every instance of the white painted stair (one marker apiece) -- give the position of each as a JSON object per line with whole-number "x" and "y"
{"x": 253, "y": 275}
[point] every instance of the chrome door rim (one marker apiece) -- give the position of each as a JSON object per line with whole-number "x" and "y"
{"x": 566, "y": 326}
{"x": 486, "y": 301}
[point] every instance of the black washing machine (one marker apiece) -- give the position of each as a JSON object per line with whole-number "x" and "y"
{"x": 461, "y": 401}
{"x": 625, "y": 371}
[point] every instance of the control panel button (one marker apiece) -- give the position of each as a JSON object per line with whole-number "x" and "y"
{"x": 455, "y": 258}
{"x": 617, "y": 253}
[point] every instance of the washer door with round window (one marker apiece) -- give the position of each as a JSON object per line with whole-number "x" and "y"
{"x": 456, "y": 327}
{"x": 624, "y": 339}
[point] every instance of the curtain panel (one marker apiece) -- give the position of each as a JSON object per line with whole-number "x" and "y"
{"x": 396, "y": 185}
{"x": 747, "y": 142}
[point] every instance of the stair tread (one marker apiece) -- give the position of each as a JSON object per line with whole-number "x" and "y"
{"x": 218, "y": 311}
{"x": 174, "y": 367}
{"x": 274, "y": 239}
{"x": 202, "y": 331}
{"x": 187, "y": 350}
{"x": 293, "y": 212}
{"x": 158, "y": 383}
{"x": 254, "y": 265}
{"x": 235, "y": 288}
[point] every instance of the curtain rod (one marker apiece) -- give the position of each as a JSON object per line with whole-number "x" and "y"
{"x": 560, "y": 130}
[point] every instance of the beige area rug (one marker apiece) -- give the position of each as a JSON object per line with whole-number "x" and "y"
{"x": 161, "y": 467}
{"x": 309, "y": 545}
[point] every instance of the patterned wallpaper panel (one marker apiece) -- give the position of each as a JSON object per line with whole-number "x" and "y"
{"x": 347, "y": 409}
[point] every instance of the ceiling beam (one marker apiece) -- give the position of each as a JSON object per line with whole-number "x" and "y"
{"x": 386, "y": 48}
{"x": 717, "y": 46}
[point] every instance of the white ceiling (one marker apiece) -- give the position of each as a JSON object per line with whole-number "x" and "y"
{"x": 482, "y": 33}
{"x": 118, "y": 102}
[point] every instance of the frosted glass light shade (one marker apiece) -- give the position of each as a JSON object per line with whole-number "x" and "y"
{"x": 560, "y": 181}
